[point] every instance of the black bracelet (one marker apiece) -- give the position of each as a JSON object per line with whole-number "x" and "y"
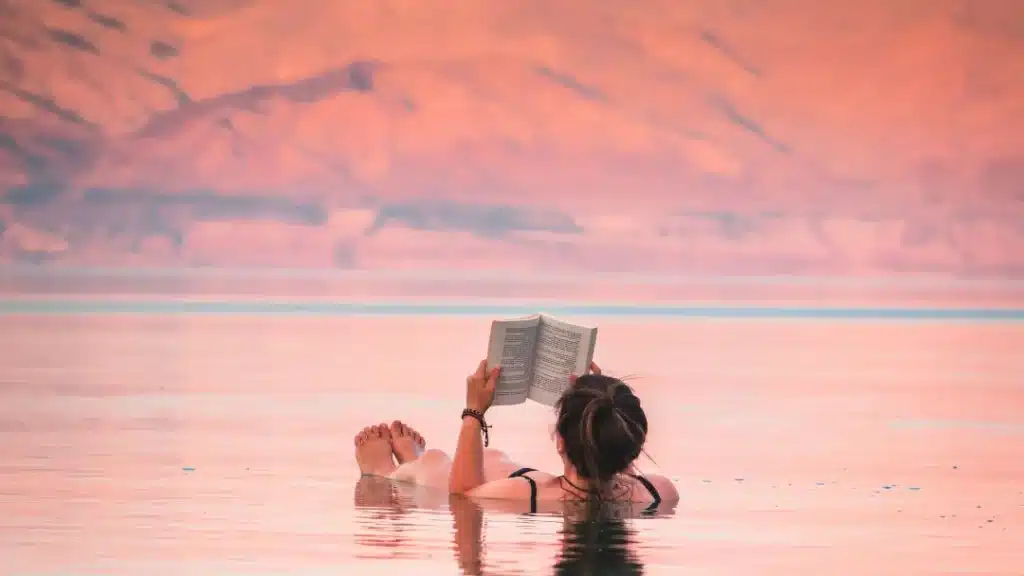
{"x": 480, "y": 418}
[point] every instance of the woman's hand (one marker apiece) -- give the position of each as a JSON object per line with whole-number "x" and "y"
{"x": 594, "y": 369}
{"x": 480, "y": 387}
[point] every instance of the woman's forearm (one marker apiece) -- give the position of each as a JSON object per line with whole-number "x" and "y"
{"x": 468, "y": 465}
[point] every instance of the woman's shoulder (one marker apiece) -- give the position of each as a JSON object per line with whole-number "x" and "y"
{"x": 520, "y": 484}
{"x": 665, "y": 488}
{"x": 539, "y": 476}
{"x": 550, "y": 487}
{"x": 638, "y": 485}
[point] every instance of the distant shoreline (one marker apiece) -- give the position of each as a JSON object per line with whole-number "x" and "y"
{"x": 27, "y": 271}
{"x": 534, "y": 288}
{"x": 268, "y": 307}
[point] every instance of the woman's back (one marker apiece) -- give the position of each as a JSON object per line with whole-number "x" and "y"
{"x": 623, "y": 488}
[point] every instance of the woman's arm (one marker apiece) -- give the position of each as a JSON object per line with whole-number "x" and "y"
{"x": 468, "y": 464}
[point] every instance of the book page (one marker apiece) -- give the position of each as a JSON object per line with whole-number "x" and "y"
{"x": 563, "y": 349}
{"x": 512, "y": 346}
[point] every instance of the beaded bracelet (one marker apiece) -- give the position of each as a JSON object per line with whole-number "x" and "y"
{"x": 483, "y": 424}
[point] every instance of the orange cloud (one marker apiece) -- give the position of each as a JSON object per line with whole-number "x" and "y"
{"x": 838, "y": 137}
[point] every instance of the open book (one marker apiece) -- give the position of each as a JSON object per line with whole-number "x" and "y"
{"x": 537, "y": 355}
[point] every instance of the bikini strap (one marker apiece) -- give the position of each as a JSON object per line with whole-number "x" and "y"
{"x": 650, "y": 488}
{"x": 522, "y": 473}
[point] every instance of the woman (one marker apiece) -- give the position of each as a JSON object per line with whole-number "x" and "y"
{"x": 600, "y": 432}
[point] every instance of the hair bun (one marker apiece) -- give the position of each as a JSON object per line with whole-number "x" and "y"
{"x": 603, "y": 426}
{"x": 604, "y": 407}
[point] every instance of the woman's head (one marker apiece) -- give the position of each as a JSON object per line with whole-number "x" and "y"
{"x": 601, "y": 426}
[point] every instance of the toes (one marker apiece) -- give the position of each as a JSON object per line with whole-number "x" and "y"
{"x": 399, "y": 429}
{"x": 363, "y": 435}
{"x": 416, "y": 436}
{"x": 378, "y": 432}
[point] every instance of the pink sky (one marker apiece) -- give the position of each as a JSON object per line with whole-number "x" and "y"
{"x": 833, "y": 138}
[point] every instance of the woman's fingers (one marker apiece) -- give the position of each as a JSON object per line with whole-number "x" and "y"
{"x": 594, "y": 369}
{"x": 483, "y": 376}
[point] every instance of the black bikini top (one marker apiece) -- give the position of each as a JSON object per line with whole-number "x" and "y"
{"x": 522, "y": 473}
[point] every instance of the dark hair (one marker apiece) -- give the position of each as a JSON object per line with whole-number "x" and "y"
{"x": 602, "y": 426}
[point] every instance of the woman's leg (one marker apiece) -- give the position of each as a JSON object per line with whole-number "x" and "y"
{"x": 432, "y": 467}
{"x": 498, "y": 465}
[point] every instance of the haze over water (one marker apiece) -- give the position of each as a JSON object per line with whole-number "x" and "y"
{"x": 160, "y": 442}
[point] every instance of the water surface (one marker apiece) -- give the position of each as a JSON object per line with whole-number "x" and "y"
{"x": 163, "y": 443}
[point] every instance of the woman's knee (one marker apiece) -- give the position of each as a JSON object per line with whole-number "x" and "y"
{"x": 434, "y": 457}
{"x": 495, "y": 454}
{"x": 430, "y": 469}
{"x": 498, "y": 465}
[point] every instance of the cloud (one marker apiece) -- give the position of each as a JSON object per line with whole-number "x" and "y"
{"x": 357, "y": 76}
{"x": 483, "y": 220}
{"x": 28, "y": 239}
{"x": 210, "y": 206}
{"x": 572, "y": 83}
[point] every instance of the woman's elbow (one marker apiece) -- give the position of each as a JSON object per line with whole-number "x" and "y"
{"x": 457, "y": 486}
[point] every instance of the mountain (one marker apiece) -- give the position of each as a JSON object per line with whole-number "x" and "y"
{"x": 868, "y": 137}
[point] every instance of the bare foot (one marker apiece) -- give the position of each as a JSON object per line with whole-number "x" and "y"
{"x": 406, "y": 443}
{"x": 373, "y": 451}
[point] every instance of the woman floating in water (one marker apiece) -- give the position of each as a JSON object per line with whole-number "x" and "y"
{"x": 601, "y": 430}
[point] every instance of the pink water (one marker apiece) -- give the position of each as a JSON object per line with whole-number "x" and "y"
{"x": 215, "y": 445}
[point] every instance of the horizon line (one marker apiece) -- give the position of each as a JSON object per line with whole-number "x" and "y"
{"x": 71, "y": 307}
{"x": 881, "y": 281}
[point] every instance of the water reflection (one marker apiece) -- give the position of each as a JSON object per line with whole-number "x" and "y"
{"x": 597, "y": 542}
{"x": 585, "y": 539}
{"x": 381, "y": 529}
